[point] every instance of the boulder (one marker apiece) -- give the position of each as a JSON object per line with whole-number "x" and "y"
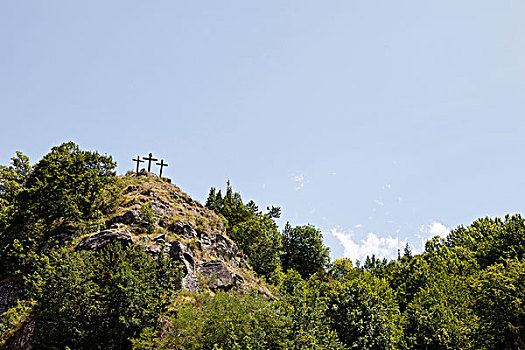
{"x": 190, "y": 283}
{"x": 153, "y": 250}
{"x": 184, "y": 230}
{"x": 103, "y": 238}
{"x": 218, "y": 275}
{"x": 131, "y": 218}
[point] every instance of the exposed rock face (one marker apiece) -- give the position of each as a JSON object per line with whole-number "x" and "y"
{"x": 153, "y": 250}
{"x": 179, "y": 251}
{"x": 131, "y": 218}
{"x": 10, "y": 293}
{"x": 20, "y": 340}
{"x": 218, "y": 274}
{"x": 103, "y": 238}
{"x": 184, "y": 230}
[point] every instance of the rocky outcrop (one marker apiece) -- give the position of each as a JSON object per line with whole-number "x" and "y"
{"x": 21, "y": 339}
{"x": 181, "y": 252}
{"x": 183, "y": 230}
{"x": 218, "y": 275}
{"x": 10, "y": 293}
{"x": 103, "y": 238}
{"x": 130, "y": 218}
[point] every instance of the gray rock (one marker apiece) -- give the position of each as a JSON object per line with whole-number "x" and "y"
{"x": 218, "y": 275}
{"x": 22, "y": 338}
{"x": 10, "y": 293}
{"x": 131, "y": 218}
{"x": 161, "y": 237}
{"x": 103, "y": 238}
{"x": 190, "y": 283}
{"x": 181, "y": 252}
{"x": 153, "y": 250}
{"x": 184, "y": 230}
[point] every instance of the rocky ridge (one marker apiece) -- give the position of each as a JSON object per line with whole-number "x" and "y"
{"x": 183, "y": 229}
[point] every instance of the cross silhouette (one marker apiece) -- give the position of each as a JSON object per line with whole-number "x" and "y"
{"x": 138, "y": 162}
{"x": 162, "y": 164}
{"x": 149, "y": 159}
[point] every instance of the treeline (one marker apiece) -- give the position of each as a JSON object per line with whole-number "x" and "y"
{"x": 464, "y": 291}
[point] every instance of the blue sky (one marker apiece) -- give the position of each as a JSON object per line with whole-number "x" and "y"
{"x": 379, "y": 122}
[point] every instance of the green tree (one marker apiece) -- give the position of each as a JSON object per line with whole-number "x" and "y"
{"x": 254, "y": 232}
{"x": 304, "y": 250}
{"x": 224, "y": 321}
{"x": 66, "y": 186}
{"x": 259, "y": 239}
{"x": 441, "y": 316}
{"x": 499, "y": 292}
{"x": 363, "y": 310}
{"x": 12, "y": 182}
{"x": 92, "y": 300}
{"x": 62, "y": 195}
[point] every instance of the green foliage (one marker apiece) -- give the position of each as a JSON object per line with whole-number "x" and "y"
{"x": 254, "y": 232}
{"x": 440, "y": 316}
{"x": 14, "y": 319}
{"x": 88, "y": 300}
{"x": 306, "y": 308}
{"x": 234, "y": 321}
{"x": 491, "y": 239}
{"x": 66, "y": 186}
{"x": 304, "y": 250}
{"x": 63, "y": 194}
{"x": 12, "y": 179}
{"x": 146, "y": 213}
{"x": 499, "y": 292}
{"x": 363, "y": 310}
{"x": 259, "y": 239}
{"x": 224, "y": 321}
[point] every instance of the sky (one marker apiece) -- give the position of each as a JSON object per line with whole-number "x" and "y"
{"x": 381, "y": 123}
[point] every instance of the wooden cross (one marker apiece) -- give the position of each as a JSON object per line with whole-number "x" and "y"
{"x": 149, "y": 159}
{"x": 138, "y": 162}
{"x": 162, "y": 164}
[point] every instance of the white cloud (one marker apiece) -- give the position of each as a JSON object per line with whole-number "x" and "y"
{"x": 358, "y": 226}
{"x": 378, "y": 202}
{"x": 382, "y": 247}
{"x": 300, "y": 181}
{"x": 427, "y": 232}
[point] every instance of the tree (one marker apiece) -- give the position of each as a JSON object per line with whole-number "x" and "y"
{"x": 499, "y": 292}
{"x": 304, "y": 250}
{"x": 363, "y": 310}
{"x": 63, "y": 194}
{"x": 441, "y": 316}
{"x": 66, "y": 187}
{"x": 91, "y": 300}
{"x": 259, "y": 239}
{"x": 255, "y": 233}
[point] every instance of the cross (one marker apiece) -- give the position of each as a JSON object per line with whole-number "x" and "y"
{"x": 149, "y": 159}
{"x": 162, "y": 164}
{"x": 138, "y": 162}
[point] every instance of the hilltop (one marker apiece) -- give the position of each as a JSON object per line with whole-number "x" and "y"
{"x": 157, "y": 215}
{"x": 91, "y": 260}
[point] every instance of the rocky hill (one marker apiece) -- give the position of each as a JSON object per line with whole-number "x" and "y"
{"x": 157, "y": 215}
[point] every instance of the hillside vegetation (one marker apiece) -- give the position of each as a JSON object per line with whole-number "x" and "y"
{"x": 92, "y": 260}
